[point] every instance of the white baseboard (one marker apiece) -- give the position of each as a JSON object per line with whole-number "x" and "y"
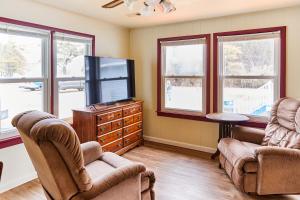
{"x": 180, "y": 144}
{"x": 17, "y": 182}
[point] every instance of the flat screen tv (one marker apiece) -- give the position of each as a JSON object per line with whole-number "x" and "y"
{"x": 108, "y": 80}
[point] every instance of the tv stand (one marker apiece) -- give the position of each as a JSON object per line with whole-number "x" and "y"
{"x": 117, "y": 127}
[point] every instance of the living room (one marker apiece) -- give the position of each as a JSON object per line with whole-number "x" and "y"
{"x": 211, "y": 90}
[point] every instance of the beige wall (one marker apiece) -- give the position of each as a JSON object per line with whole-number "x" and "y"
{"x": 111, "y": 41}
{"x": 143, "y": 50}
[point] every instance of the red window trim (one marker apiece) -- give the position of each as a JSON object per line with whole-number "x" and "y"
{"x": 159, "y": 67}
{"x": 17, "y": 139}
{"x": 282, "y": 30}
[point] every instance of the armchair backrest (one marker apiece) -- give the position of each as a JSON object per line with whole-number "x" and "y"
{"x": 55, "y": 152}
{"x": 283, "y": 129}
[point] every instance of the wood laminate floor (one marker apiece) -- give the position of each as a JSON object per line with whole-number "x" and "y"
{"x": 181, "y": 175}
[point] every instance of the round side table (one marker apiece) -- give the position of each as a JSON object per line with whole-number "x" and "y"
{"x": 226, "y": 122}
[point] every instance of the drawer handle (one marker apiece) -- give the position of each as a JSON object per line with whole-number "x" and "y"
{"x": 126, "y": 130}
{"x": 119, "y": 145}
{"x": 111, "y": 116}
{"x": 100, "y": 118}
{"x": 133, "y": 110}
{"x": 127, "y": 140}
{"x": 102, "y": 140}
{"x": 139, "y": 126}
{"x": 119, "y": 114}
{"x": 119, "y": 134}
{"x": 102, "y": 128}
{"x": 119, "y": 123}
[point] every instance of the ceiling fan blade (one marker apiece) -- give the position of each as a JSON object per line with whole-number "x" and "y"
{"x": 113, "y": 4}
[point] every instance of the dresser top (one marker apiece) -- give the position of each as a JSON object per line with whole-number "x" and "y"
{"x": 102, "y": 107}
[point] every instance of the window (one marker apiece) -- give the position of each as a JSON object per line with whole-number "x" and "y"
{"x": 183, "y": 76}
{"x": 249, "y": 71}
{"x": 41, "y": 68}
{"x": 69, "y": 80}
{"x": 24, "y": 65}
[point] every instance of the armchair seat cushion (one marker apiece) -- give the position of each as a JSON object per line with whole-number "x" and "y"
{"x": 239, "y": 154}
{"x": 98, "y": 169}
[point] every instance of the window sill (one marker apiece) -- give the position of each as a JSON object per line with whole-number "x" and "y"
{"x": 7, "y": 142}
{"x": 253, "y": 122}
{"x": 189, "y": 116}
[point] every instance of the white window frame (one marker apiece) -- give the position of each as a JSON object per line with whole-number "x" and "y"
{"x": 19, "y": 30}
{"x": 200, "y": 40}
{"x": 276, "y": 35}
{"x": 70, "y": 38}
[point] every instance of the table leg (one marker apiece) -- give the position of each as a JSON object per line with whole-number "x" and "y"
{"x": 224, "y": 132}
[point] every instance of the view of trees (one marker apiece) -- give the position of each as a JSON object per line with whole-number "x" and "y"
{"x": 11, "y": 59}
{"x": 66, "y": 52}
{"x": 254, "y": 57}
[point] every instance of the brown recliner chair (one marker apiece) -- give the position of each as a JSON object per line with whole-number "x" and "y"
{"x": 70, "y": 171}
{"x": 266, "y": 161}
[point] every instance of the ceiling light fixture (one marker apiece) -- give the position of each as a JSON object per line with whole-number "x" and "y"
{"x": 168, "y": 6}
{"x": 149, "y": 7}
{"x": 130, "y": 3}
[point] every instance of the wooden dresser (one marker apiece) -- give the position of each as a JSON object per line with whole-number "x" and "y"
{"x": 118, "y": 128}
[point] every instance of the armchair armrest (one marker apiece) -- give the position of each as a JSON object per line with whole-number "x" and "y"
{"x": 124, "y": 169}
{"x": 278, "y": 171}
{"x": 246, "y": 134}
{"x": 91, "y": 151}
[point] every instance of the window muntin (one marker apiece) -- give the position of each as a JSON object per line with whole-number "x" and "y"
{"x": 69, "y": 72}
{"x": 249, "y": 73}
{"x": 183, "y": 80}
{"x": 24, "y": 61}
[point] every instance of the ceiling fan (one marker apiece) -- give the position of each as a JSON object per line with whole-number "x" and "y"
{"x": 149, "y": 7}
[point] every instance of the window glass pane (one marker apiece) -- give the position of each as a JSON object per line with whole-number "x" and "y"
{"x": 70, "y": 58}
{"x": 71, "y": 96}
{"x": 16, "y": 98}
{"x": 20, "y": 56}
{"x": 250, "y": 57}
{"x": 184, "y": 60}
{"x": 183, "y": 93}
{"x": 248, "y": 96}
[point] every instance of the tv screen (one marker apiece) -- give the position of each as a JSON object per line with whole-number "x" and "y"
{"x": 108, "y": 80}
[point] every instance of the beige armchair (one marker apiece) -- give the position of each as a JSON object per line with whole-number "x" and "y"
{"x": 266, "y": 161}
{"x": 70, "y": 171}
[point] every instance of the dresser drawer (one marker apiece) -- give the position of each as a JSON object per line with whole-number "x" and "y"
{"x": 132, "y": 128}
{"x": 109, "y": 116}
{"x": 132, "y": 110}
{"x": 104, "y": 128}
{"x": 116, "y": 124}
{"x": 128, "y": 120}
{"x": 132, "y": 138}
{"x": 114, "y": 146}
{"x": 110, "y": 137}
{"x": 137, "y": 117}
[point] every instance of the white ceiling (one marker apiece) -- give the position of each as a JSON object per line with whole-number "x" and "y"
{"x": 186, "y": 10}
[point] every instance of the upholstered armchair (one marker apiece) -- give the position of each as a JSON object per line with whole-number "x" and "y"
{"x": 266, "y": 161}
{"x": 70, "y": 171}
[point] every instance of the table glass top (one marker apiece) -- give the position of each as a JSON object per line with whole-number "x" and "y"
{"x": 230, "y": 117}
